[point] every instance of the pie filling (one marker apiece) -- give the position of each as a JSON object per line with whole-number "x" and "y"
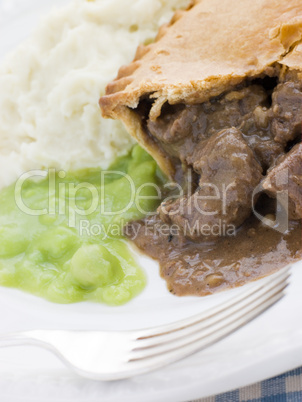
{"x": 238, "y": 158}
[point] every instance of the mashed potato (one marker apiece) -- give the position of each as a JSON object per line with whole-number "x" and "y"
{"x": 51, "y": 84}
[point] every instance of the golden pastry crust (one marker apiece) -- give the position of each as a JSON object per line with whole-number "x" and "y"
{"x": 204, "y": 51}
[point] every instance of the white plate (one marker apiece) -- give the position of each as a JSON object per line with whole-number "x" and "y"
{"x": 266, "y": 347}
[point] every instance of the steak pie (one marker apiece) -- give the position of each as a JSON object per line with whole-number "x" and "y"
{"x": 217, "y": 101}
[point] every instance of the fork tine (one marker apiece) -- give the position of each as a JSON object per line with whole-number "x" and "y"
{"x": 147, "y": 365}
{"x": 158, "y": 361}
{"x": 211, "y": 329}
{"x": 150, "y": 344}
{"x": 129, "y": 368}
{"x": 158, "y": 334}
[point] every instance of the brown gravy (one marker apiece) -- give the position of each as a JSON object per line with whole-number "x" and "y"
{"x": 204, "y": 268}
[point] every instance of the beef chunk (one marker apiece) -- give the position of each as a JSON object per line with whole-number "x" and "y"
{"x": 229, "y": 173}
{"x": 287, "y": 176}
{"x": 287, "y": 112}
{"x": 179, "y": 129}
{"x": 177, "y": 123}
{"x": 234, "y": 109}
{"x": 266, "y": 151}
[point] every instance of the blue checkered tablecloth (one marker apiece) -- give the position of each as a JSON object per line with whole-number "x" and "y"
{"x": 283, "y": 388}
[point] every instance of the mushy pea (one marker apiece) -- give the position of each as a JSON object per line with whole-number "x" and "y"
{"x": 61, "y": 236}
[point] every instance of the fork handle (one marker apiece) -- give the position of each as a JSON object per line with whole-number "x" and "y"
{"x": 16, "y": 339}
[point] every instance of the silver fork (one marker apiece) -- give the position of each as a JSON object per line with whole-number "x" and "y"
{"x": 102, "y": 355}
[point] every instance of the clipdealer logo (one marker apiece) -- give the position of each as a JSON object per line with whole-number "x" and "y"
{"x": 58, "y": 203}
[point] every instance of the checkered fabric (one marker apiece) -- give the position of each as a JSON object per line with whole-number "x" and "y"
{"x": 284, "y": 388}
